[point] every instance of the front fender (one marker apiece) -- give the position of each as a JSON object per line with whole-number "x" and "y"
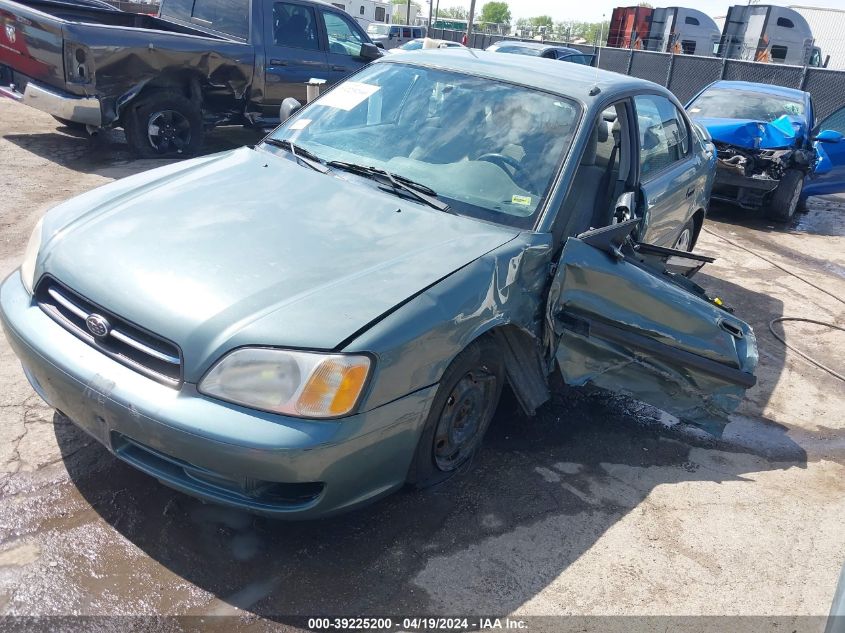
{"x": 415, "y": 344}
{"x": 823, "y": 163}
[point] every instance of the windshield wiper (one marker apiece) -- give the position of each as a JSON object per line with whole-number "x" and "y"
{"x": 299, "y": 153}
{"x": 415, "y": 189}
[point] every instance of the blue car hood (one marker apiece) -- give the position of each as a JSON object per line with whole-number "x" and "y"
{"x": 781, "y": 133}
{"x": 249, "y": 248}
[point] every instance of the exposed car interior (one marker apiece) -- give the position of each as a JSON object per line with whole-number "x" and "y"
{"x": 602, "y": 175}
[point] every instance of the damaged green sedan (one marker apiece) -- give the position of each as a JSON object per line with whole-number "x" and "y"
{"x": 302, "y": 327}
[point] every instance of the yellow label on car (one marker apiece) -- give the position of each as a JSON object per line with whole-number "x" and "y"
{"x": 523, "y": 200}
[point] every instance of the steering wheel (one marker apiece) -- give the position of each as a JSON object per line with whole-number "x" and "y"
{"x": 518, "y": 174}
{"x": 501, "y": 160}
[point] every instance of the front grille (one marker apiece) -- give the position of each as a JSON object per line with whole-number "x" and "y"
{"x": 123, "y": 341}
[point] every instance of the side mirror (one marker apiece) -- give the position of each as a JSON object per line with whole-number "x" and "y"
{"x": 625, "y": 206}
{"x": 369, "y": 52}
{"x": 829, "y": 136}
{"x": 390, "y": 35}
{"x": 289, "y": 107}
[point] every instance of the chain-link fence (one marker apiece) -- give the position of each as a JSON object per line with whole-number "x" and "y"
{"x": 686, "y": 75}
{"x": 135, "y": 7}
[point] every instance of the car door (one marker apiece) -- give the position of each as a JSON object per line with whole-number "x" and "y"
{"x": 833, "y": 178}
{"x": 345, "y": 39}
{"x": 630, "y": 322}
{"x": 294, "y": 52}
{"x": 670, "y": 172}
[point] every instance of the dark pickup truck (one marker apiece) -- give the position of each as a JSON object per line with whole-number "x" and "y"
{"x": 167, "y": 78}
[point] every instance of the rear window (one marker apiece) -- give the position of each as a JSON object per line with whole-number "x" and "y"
{"x": 226, "y": 16}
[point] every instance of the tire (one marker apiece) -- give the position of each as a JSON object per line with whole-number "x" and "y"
{"x": 686, "y": 238}
{"x": 463, "y": 407}
{"x": 785, "y": 199}
{"x": 71, "y": 125}
{"x": 164, "y": 125}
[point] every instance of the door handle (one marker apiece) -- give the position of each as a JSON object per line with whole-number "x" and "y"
{"x": 339, "y": 68}
{"x": 278, "y": 62}
{"x": 690, "y": 191}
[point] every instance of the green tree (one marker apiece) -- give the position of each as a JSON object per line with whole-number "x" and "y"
{"x": 496, "y": 13}
{"x": 457, "y": 13}
{"x": 542, "y": 20}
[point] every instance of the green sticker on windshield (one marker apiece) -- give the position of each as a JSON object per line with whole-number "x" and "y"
{"x": 792, "y": 108}
{"x": 523, "y": 200}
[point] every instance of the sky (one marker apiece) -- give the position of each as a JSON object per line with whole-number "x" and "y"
{"x": 592, "y": 10}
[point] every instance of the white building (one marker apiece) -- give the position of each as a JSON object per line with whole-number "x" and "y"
{"x": 366, "y": 11}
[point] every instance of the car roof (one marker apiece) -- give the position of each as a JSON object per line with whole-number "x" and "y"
{"x": 537, "y": 46}
{"x": 750, "y": 86}
{"x": 571, "y": 80}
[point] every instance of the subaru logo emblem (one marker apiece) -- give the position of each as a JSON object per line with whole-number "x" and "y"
{"x": 98, "y": 326}
{"x": 10, "y": 33}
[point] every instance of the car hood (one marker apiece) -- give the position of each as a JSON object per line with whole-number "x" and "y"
{"x": 249, "y": 248}
{"x": 781, "y": 133}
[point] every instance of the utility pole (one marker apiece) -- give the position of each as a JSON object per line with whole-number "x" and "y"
{"x": 430, "y": 13}
{"x": 469, "y": 22}
{"x": 408, "y": 14}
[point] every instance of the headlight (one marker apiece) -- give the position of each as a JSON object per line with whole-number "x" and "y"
{"x": 303, "y": 384}
{"x": 29, "y": 257}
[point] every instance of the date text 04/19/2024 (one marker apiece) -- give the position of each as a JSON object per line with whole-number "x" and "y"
{"x": 416, "y": 624}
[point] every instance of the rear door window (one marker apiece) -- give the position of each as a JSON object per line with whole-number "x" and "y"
{"x": 294, "y": 25}
{"x": 227, "y": 16}
{"x": 664, "y": 138}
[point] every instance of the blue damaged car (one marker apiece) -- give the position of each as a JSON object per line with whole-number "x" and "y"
{"x": 303, "y": 326}
{"x": 771, "y": 153}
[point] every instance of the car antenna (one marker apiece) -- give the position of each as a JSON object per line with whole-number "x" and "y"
{"x": 595, "y": 89}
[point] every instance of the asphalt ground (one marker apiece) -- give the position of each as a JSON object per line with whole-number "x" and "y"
{"x": 597, "y": 506}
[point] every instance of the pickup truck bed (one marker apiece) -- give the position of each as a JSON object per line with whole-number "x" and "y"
{"x": 38, "y": 44}
{"x": 166, "y": 79}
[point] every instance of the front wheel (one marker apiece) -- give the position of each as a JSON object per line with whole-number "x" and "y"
{"x": 460, "y": 414}
{"x": 686, "y": 238}
{"x": 164, "y": 125}
{"x": 786, "y": 197}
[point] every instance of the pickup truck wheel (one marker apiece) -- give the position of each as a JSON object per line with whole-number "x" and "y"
{"x": 164, "y": 124}
{"x": 460, "y": 414}
{"x": 785, "y": 199}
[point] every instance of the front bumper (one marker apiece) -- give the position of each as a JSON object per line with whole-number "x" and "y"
{"x": 207, "y": 448}
{"x": 84, "y": 110}
{"x": 743, "y": 191}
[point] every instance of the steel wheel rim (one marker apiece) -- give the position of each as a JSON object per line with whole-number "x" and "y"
{"x": 463, "y": 419}
{"x": 168, "y": 130}
{"x": 684, "y": 241}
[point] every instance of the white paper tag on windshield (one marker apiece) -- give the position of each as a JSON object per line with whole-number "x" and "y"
{"x": 348, "y": 94}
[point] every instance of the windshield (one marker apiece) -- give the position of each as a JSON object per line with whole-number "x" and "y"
{"x": 720, "y": 103}
{"x": 378, "y": 29}
{"x": 487, "y": 148}
{"x": 413, "y": 45}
